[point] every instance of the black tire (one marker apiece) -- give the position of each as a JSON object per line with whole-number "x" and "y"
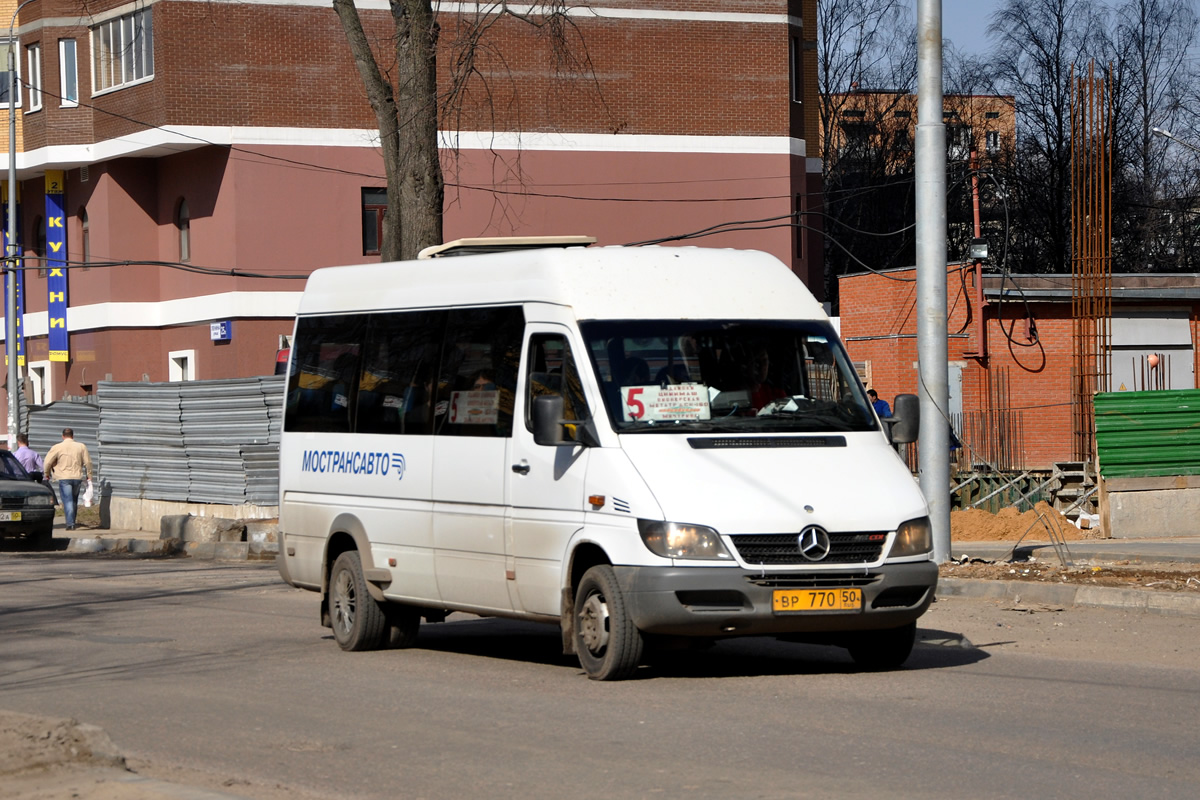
{"x": 403, "y": 624}
{"x": 358, "y": 621}
{"x": 607, "y": 642}
{"x": 883, "y": 650}
{"x": 43, "y": 538}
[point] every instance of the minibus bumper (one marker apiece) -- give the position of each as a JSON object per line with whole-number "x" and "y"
{"x": 718, "y": 602}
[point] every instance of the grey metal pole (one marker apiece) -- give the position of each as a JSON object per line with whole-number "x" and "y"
{"x": 931, "y": 276}
{"x": 11, "y": 250}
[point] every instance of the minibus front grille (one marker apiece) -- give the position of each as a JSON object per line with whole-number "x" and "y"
{"x": 823, "y": 581}
{"x": 775, "y": 549}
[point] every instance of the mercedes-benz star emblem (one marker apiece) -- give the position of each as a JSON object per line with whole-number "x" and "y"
{"x": 814, "y": 543}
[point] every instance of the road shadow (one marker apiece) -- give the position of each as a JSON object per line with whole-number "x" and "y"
{"x": 753, "y": 656}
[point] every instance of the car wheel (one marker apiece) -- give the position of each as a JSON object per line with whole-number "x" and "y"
{"x": 882, "y": 650}
{"x": 609, "y": 645}
{"x": 403, "y": 624}
{"x": 42, "y": 538}
{"x": 358, "y": 621}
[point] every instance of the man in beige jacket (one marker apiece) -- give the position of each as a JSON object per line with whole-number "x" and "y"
{"x": 69, "y": 463}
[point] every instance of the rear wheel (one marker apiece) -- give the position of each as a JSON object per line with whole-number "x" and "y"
{"x": 609, "y": 645}
{"x": 403, "y": 624}
{"x": 880, "y": 650}
{"x": 358, "y": 621}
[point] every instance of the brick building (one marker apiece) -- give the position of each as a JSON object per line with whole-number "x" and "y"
{"x": 204, "y": 157}
{"x": 1010, "y": 366}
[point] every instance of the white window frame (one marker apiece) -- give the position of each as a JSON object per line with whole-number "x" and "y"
{"x": 5, "y": 44}
{"x": 992, "y": 142}
{"x": 33, "y": 54}
{"x": 123, "y": 52}
{"x": 68, "y": 76}
{"x": 181, "y": 365}
{"x": 41, "y": 381}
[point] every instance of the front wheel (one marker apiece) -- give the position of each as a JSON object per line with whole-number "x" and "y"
{"x": 882, "y": 650}
{"x": 608, "y": 643}
{"x": 42, "y": 538}
{"x": 358, "y": 621}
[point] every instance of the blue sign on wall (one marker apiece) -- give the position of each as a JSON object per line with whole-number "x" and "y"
{"x": 221, "y": 331}
{"x": 56, "y": 266}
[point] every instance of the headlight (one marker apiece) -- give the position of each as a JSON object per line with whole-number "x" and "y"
{"x": 676, "y": 540}
{"x": 913, "y": 538}
{"x": 39, "y": 500}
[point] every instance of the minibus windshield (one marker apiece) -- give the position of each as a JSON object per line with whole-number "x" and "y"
{"x": 728, "y": 376}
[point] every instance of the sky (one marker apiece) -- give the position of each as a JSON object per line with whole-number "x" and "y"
{"x": 965, "y": 23}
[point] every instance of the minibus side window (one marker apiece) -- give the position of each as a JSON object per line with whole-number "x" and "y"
{"x": 395, "y": 390}
{"x": 324, "y": 379}
{"x": 477, "y": 380}
{"x": 551, "y": 370}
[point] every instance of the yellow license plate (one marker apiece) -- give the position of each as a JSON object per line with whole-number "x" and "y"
{"x": 10, "y": 516}
{"x": 795, "y": 600}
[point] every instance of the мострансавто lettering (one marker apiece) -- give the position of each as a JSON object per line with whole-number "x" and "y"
{"x": 352, "y": 462}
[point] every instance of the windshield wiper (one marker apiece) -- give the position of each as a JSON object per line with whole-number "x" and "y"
{"x": 691, "y": 425}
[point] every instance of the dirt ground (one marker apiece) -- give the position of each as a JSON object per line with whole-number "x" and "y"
{"x": 59, "y": 758}
{"x": 975, "y": 525}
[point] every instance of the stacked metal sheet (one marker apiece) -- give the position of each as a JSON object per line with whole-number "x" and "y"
{"x": 227, "y": 434}
{"x": 141, "y": 440}
{"x": 46, "y": 425}
{"x": 195, "y": 441}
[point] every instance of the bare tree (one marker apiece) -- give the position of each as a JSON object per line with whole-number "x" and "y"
{"x": 1037, "y": 42}
{"x": 866, "y": 56}
{"x": 409, "y": 103}
{"x": 1153, "y": 72}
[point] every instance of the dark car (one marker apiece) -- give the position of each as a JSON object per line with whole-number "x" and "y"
{"x": 26, "y": 506}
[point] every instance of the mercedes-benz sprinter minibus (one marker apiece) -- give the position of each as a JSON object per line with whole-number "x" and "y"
{"x": 643, "y": 446}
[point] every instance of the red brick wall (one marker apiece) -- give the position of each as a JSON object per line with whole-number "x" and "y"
{"x": 1033, "y": 379}
{"x": 879, "y": 325}
{"x": 280, "y": 66}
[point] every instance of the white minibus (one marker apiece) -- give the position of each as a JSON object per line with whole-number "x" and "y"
{"x": 645, "y": 446}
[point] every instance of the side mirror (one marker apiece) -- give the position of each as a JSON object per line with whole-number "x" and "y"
{"x": 550, "y": 429}
{"x": 547, "y": 413}
{"x": 905, "y": 422}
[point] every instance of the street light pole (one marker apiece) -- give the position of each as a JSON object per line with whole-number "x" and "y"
{"x": 1175, "y": 138}
{"x": 12, "y": 251}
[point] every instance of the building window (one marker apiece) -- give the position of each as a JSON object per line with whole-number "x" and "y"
{"x": 799, "y": 225}
{"x": 958, "y": 142}
{"x": 181, "y": 365}
{"x": 39, "y": 245}
{"x": 68, "y": 74}
{"x": 122, "y": 51}
{"x": 797, "y": 71}
{"x": 991, "y": 115}
{"x": 6, "y": 76}
{"x": 374, "y": 207}
{"x": 34, "y": 56}
{"x": 40, "y": 377}
{"x": 992, "y": 142}
{"x": 183, "y": 222}
{"x": 85, "y": 238}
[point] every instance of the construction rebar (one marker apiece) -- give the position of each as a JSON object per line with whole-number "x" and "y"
{"x": 1091, "y": 251}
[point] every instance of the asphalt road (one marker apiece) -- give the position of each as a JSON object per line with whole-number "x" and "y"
{"x": 219, "y": 675}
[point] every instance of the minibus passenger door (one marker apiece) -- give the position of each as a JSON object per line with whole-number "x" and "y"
{"x": 547, "y": 484}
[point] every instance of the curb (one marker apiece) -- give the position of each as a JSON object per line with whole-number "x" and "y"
{"x": 217, "y": 551}
{"x": 1144, "y": 600}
